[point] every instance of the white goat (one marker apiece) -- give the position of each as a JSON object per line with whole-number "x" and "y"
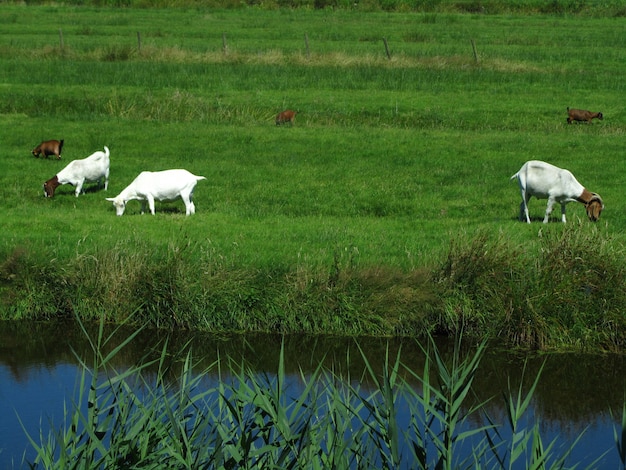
{"x": 544, "y": 180}
{"x": 164, "y": 185}
{"x": 91, "y": 169}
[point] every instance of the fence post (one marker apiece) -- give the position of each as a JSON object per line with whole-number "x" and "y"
{"x": 387, "y": 48}
{"x": 475, "y": 51}
{"x": 306, "y": 43}
{"x": 224, "y": 45}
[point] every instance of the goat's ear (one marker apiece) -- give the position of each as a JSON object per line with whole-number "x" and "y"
{"x": 110, "y": 199}
{"x": 596, "y": 197}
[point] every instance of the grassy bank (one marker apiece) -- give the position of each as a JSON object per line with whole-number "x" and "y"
{"x": 567, "y": 291}
{"x": 386, "y": 209}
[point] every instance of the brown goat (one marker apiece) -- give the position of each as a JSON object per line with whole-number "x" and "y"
{"x": 582, "y": 115}
{"x": 49, "y": 147}
{"x": 286, "y": 116}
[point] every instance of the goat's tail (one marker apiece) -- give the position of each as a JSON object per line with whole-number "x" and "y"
{"x": 516, "y": 175}
{"x": 106, "y": 151}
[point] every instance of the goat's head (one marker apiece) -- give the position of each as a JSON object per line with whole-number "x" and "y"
{"x": 118, "y": 203}
{"x": 594, "y": 207}
{"x": 600, "y": 116}
{"x": 49, "y": 186}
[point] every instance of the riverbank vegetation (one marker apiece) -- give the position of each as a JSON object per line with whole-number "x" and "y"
{"x": 567, "y": 292}
{"x": 386, "y": 209}
{"x": 163, "y": 412}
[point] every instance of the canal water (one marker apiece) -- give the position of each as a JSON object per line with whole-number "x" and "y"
{"x": 577, "y": 393}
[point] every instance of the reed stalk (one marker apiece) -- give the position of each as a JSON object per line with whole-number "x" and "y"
{"x": 134, "y": 419}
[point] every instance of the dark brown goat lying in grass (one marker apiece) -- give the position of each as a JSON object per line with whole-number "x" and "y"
{"x": 582, "y": 115}
{"x": 286, "y": 116}
{"x": 49, "y": 147}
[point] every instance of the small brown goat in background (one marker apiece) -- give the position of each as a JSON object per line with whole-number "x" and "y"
{"x": 582, "y": 115}
{"x": 49, "y": 147}
{"x": 286, "y": 116}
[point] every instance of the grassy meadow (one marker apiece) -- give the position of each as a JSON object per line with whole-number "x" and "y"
{"x": 386, "y": 209}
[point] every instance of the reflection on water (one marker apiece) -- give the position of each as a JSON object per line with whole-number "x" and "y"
{"x": 38, "y": 374}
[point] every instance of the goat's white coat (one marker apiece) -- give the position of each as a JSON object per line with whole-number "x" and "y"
{"x": 165, "y": 185}
{"x": 546, "y": 181}
{"x": 92, "y": 169}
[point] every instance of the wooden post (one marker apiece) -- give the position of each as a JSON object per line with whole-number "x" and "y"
{"x": 138, "y": 41}
{"x": 306, "y": 44}
{"x": 475, "y": 52}
{"x": 61, "y": 39}
{"x": 224, "y": 45}
{"x": 387, "y": 48}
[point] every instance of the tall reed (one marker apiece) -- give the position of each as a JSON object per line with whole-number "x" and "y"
{"x": 133, "y": 418}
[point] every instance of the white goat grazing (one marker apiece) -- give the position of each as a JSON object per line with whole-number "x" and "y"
{"x": 91, "y": 169}
{"x": 164, "y": 185}
{"x": 544, "y": 180}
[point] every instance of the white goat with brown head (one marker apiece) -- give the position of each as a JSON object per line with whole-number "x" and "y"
{"x": 546, "y": 181}
{"x": 94, "y": 168}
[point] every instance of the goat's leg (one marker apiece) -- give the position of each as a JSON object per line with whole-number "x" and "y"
{"x": 151, "y": 203}
{"x": 193, "y": 206}
{"x": 548, "y": 210}
{"x": 563, "y": 212}
{"x": 189, "y": 207}
{"x": 79, "y": 187}
{"x": 185, "y": 197}
{"x": 523, "y": 209}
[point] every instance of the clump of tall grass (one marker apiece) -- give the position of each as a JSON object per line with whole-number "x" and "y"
{"x": 565, "y": 290}
{"x": 472, "y": 277}
{"x": 581, "y": 271}
{"x": 9, "y": 268}
{"x": 140, "y": 419}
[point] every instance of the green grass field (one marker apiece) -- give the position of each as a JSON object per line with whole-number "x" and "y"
{"x": 391, "y": 164}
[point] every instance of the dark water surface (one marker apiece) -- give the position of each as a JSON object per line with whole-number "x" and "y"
{"x": 576, "y": 393}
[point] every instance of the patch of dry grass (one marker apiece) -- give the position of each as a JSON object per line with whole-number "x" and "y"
{"x": 178, "y": 55}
